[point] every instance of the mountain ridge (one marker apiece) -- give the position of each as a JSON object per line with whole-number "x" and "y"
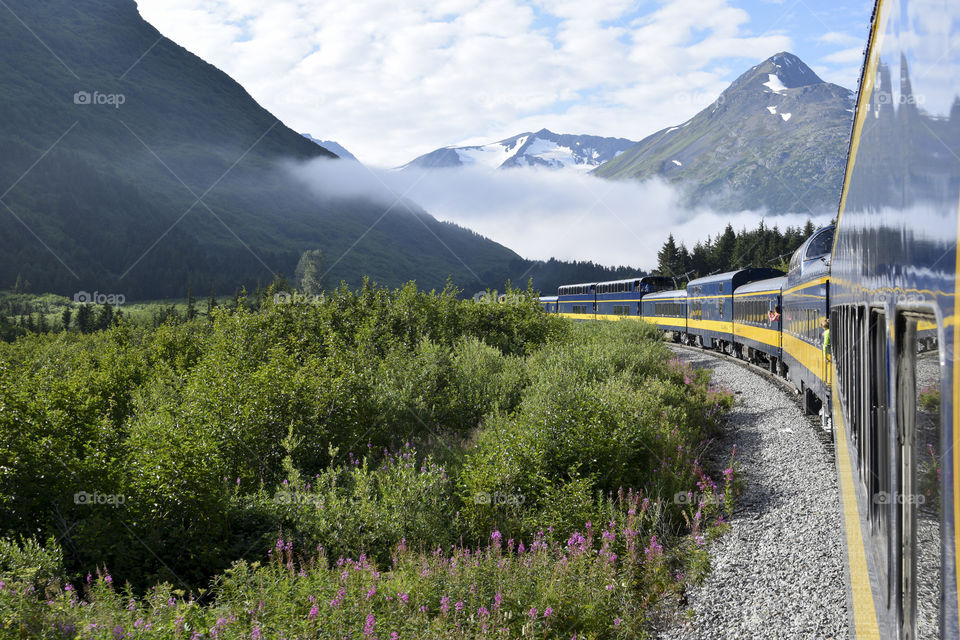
{"x": 775, "y": 139}
{"x": 543, "y": 149}
{"x": 182, "y": 181}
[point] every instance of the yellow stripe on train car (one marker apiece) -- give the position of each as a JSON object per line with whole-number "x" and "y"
{"x": 807, "y": 285}
{"x": 808, "y": 355}
{"x": 720, "y": 326}
{"x": 769, "y": 337}
{"x": 657, "y": 320}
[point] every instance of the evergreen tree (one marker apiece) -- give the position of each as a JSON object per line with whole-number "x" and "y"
{"x": 85, "y": 320}
{"x": 309, "y": 272}
{"x": 105, "y": 317}
{"x": 723, "y": 252}
{"x": 211, "y": 302}
{"x": 667, "y": 257}
{"x": 191, "y": 305}
{"x": 65, "y": 318}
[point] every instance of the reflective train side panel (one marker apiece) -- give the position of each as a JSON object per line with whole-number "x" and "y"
{"x": 894, "y": 327}
{"x": 805, "y": 300}
{"x": 757, "y": 319}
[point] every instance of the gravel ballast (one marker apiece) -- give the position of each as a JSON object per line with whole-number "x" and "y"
{"x": 779, "y": 571}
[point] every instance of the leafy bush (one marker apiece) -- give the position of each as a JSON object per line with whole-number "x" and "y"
{"x": 391, "y": 427}
{"x": 610, "y": 409}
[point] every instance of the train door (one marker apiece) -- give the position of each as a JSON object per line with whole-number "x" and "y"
{"x": 918, "y": 507}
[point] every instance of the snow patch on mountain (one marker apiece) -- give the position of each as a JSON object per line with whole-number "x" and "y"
{"x": 774, "y": 84}
{"x": 489, "y": 155}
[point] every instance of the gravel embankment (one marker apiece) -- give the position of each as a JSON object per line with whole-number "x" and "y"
{"x": 779, "y": 571}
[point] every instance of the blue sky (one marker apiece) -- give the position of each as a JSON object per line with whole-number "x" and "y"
{"x": 390, "y": 81}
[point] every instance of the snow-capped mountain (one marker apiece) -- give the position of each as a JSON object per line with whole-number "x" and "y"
{"x": 776, "y": 139}
{"x": 332, "y": 146}
{"x": 541, "y": 149}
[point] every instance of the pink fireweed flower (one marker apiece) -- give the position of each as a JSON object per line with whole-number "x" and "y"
{"x": 654, "y": 550}
{"x": 405, "y": 597}
{"x": 314, "y": 612}
{"x": 483, "y": 612}
{"x": 372, "y": 591}
{"x": 497, "y": 600}
{"x": 255, "y": 634}
{"x": 532, "y": 613}
{"x": 370, "y": 626}
{"x": 445, "y": 604}
{"x": 459, "y": 605}
{"x": 548, "y": 612}
{"x": 616, "y": 622}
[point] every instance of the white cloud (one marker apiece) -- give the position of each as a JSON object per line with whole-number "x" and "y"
{"x": 841, "y": 39}
{"x": 392, "y": 80}
{"x": 542, "y": 213}
{"x": 845, "y": 56}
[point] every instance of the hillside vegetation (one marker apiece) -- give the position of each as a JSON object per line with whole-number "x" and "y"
{"x": 183, "y": 180}
{"x": 373, "y": 462}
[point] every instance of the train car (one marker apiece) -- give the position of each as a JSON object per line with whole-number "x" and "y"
{"x": 667, "y": 310}
{"x": 757, "y": 319}
{"x": 620, "y": 298}
{"x": 548, "y": 303}
{"x": 710, "y": 305}
{"x": 895, "y": 328}
{"x": 577, "y": 301}
{"x": 805, "y": 305}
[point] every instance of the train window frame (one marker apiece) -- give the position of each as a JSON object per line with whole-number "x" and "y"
{"x": 875, "y": 447}
{"x": 909, "y": 452}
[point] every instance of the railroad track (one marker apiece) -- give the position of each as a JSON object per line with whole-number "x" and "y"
{"x": 825, "y": 437}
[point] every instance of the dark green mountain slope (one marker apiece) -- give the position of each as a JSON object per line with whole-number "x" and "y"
{"x": 181, "y": 184}
{"x": 775, "y": 139}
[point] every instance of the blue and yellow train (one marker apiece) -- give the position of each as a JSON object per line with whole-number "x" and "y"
{"x": 886, "y": 278}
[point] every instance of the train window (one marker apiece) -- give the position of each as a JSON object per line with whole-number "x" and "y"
{"x": 918, "y": 507}
{"x": 821, "y": 245}
{"x": 875, "y": 471}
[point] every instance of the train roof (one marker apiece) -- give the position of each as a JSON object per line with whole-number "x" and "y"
{"x": 762, "y": 285}
{"x": 741, "y": 275}
{"x": 660, "y": 295}
{"x": 548, "y": 298}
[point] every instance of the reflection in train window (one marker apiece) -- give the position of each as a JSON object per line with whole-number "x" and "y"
{"x": 918, "y": 509}
{"x": 821, "y": 245}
